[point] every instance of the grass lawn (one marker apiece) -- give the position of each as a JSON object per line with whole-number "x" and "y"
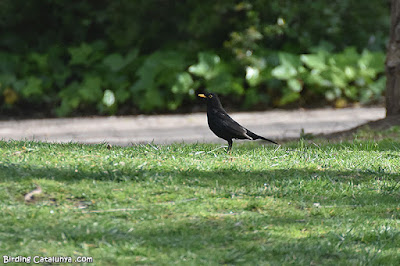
{"x": 303, "y": 203}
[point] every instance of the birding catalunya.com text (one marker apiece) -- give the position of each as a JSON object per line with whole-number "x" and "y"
{"x": 46, "y": 260}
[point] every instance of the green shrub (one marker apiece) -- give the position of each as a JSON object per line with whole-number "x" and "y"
{"x": 348, "y": 75}
{"x": 217, "y": 75}
{"x": 108, "y": 57}
{"x": 162, "y": 82}
{"x": 102, "y": 83}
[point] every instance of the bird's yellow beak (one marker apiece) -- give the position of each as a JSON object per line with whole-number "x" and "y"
{"x": 201, "y": 95}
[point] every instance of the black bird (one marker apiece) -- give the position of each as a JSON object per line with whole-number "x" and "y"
{"x": 223, "y": 125}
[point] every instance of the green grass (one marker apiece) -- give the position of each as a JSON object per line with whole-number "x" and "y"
{"x": 303, "y": 203}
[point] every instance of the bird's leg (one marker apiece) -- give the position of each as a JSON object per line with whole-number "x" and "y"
{"x": 229, "y": 145}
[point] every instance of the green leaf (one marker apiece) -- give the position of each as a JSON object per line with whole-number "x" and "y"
{"x": 80, "y": 55}
{"x": 114, "y": 61}
{"x": 374, "y": 60}
{"x": 7, "y": 79}
{"x": 224, "y": 83}
{"x": 378, "y": 86}
{"x": 366, "y": 96}
{"x": 33, "y": 87}
{"x": 158, "y": 69}
{"x": 288, "y": 69}
{"x": 323, "y": 46}
{"x": 371, "y": 64}
{"x": 350, "y": 72}
{"x": 183, "y": 83}
{"x": 252, "y": 75}
{"x": 315, "y": 78}
{"x": 132, "y": 55}
{"x": 338, "y": 79}
{"x": 348, "y": 57}
{"x": 151, "y": 100}
{"x": 368, "y": 73}
{"x": 314, "y": 61}
{"x": 41, "y": 60}
{"x": 8, "y": 62}
{"x": 351, "y": 92}
{"x": 90, "y": 90}
{"x": 206, "y": 67}
{"x": 70, "y": 99}
{"x": 284, "y": 72}
{"x": 108, "y": 98}
{"x": 158, "y": 74}
{"x": 290, "y": 60}
{"x": 289, "y": 97}
{"x": 333, "y": 94}
{"x": 122, "y": 95}
{"x": 294, "y": 85}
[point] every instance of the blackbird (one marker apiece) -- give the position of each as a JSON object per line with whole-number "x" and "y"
{"x": 223, "y": 125}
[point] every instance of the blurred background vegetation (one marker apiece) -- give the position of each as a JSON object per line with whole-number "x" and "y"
{"x": 66, "y": 58}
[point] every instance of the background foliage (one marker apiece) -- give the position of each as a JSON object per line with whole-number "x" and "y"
{"x": 108, "y": 57}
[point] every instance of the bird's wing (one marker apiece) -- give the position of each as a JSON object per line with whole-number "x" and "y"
{"x": 226, "y": 123}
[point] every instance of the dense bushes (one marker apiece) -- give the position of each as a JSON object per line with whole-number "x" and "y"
{"x": 339, "y": 77}
{"x": 152, "y": 56}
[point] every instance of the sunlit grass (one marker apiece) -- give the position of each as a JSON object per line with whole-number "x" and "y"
{"x": 303, "y": 203}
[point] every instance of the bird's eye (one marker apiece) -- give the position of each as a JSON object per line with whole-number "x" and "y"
{"x": 210, "y": 96}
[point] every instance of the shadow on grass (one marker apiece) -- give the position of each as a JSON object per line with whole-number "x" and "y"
{"x": 354, "y": 187}
{"x": 230, "y": 239}
{"x": 227, "y": 240}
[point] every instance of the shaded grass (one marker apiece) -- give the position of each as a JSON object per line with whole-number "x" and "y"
{"x": 303, "y": 203}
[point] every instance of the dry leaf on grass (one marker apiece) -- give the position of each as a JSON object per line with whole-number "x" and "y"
{"x": 30, "y": 196}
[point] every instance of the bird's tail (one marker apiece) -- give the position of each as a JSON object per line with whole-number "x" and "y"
{"x": 255, "y": 136}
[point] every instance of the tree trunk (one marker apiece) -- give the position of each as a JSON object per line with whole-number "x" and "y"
{"x": 393, "y": 63}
